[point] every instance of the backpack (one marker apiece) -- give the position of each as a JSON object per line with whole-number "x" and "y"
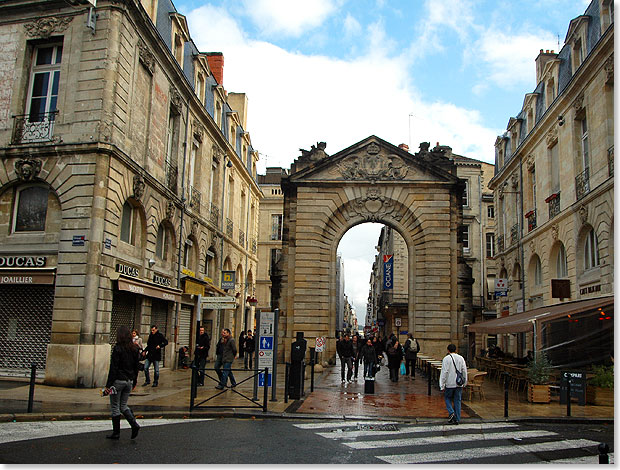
{"x": 415, "y": 346}
{"x": 460, "y": 380}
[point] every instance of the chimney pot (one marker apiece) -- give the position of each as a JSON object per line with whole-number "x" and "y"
{"x": 404, "y": 147}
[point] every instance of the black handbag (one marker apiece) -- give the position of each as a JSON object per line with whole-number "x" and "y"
{"x": 460, "y": 380}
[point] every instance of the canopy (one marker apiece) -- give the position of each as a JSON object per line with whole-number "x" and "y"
{"x": 522, "y": 322}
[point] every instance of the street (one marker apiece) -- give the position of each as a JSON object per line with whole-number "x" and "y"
{"x": 281, "y": 441}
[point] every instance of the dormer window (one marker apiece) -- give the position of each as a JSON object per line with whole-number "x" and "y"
{"x": 577, "y": 54}
{"x": 200, "y": 87}
{"x": 178, "y": 49}
{"x": 550, "y": 91}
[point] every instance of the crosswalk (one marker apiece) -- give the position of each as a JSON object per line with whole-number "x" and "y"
{"x": 398, "y": 443}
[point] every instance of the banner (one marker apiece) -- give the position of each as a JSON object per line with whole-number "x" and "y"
{"x": 388, "y": 272}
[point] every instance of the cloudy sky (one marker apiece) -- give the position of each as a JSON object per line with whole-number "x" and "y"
{"x": 448, "y": 71}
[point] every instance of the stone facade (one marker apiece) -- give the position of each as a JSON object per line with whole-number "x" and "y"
{"x": 554, "y": 184}
{"x": 373, "y": 181}
{"x": 150, "y": 178}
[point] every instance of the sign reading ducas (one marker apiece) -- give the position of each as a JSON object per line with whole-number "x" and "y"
{"x": 162, "y": 281}
{"x": 127, "y": 270}
{"x": 23, "y": 261}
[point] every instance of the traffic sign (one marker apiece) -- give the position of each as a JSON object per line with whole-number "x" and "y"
{"x": 320, "y": 344}
{"x": 266, "y": 343}
{"x": 265, "y": 359}
{"x": 261, "y": 380}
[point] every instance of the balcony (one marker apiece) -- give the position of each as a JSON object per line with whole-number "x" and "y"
{"x": 500, "y": 243}
{"x": 194, "y": 198}
{"x": 531, "y": 220}
{"x": 229, "y": 227}
{"x": 514, "y": 234}
{"x": 254, "y": 245}
{"x": 242, "y": 238}
{"x": 554, "y": 204}
{"x": 582, "y": 183}
{"x": 172, "y": 173}
{"x": 610, "y": 160}
{"x": 31, "y": 128}
{"x": 214, "y": 215}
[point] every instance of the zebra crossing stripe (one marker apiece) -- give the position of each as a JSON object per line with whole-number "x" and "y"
{"x": 481, "y": 452}
{"x": 341, "y": 424}
{"x": 415, "y": 429}
{"x": 418, "y": 441}
{"x": 587, "y": 460}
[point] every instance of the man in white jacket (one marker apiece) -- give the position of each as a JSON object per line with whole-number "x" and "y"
{"x": 447, "y": 383}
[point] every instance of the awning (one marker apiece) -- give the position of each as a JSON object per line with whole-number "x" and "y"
{"x": 522, "y": 322}
{"x": 138, "y": 286}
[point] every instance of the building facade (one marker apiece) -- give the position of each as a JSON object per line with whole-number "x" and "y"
{"x": 554, "y": 183}
{"x": 127, "y": 186}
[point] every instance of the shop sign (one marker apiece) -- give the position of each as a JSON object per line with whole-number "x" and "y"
{"x": 590, "y": 289}
{"x": 22, "y": 261}
{"x": 188, "y": 272}
{"x": 577, "y": 386}
{"x": 228, "y": 279}
{"x": 162, "y": 281}
{"x": 388, "y": 272}
{"x": 127, "y": 270}
{"x": 194, "y": 288}
{"x": 34, "y": 278}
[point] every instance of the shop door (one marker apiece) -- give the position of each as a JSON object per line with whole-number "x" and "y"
{"x": 159, "y": 317}
{"x": 25, "y": 326}
{"x": 123, "y": 312}
{"x": 185, "y": 326}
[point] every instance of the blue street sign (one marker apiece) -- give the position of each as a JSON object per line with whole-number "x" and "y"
{"x": 266, "y": 342}
{"x": 261, "y": 380}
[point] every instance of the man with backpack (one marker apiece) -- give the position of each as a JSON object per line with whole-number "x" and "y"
{"x": 412, "y": 348}
{"x": 451, "y": 382}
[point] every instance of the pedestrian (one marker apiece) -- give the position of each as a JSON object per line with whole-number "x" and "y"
{"x": 452, "y": 392}
{"x": 412, "y": 347}
{"x": 357, "y": 348}
{"x": 369, "y": 356}
{"x": 201, "y": 353}
{"x": 229, "y": 351}
{"x": 344, "y": 348}
{"x": 376, "y": 342}
{"x": 219, "y": 348}
{"x": 122, "y": 377}
{"x": 154, "y": 346}
{"x": 137, "y": 340}
{"x": 394, "y": 356}
{"x": 241, "y": 344}
{"x": 250, "y": 346}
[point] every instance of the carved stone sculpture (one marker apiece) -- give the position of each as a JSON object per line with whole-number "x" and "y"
{"x": 27, "y": 168}
{"x": 45, "y": 27}
{"x": 138, "y": 187}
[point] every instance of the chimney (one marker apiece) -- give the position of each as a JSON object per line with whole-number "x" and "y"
{"x": 405, "y": 147}
{"x": 216, "y": 64}
{"x": 542, "y": 59}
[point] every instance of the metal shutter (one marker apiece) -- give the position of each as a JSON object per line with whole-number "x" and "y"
{"x": 159, "y": 317}
{"x": 185, "y": 326}
{"x": 25, "y": 325}
{"x": 123, "y": 312}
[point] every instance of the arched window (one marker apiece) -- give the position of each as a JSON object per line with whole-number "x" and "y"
{"x": 127, "y": 223}
{"x": 161, "y": 247}
{"x": 561, "y": 268}
{"x": 536, "y": 271}
{"x": 31, "y": 209}
{"x": 590, "y": 251}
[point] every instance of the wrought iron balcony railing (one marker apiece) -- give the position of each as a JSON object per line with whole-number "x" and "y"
{"x": 254, "y": 244}
{"x": 554, "y": 204}
{"x": 229, "y": 227}
{"x": 582, "y": 183}
{"x": 610, "y": 160}
{"x": 500, "y": 243}
{"x": 531, "y": 220}
{"x": 214, "y": 215}
{"x": 34, "y": 127}
{"x": 514, "y": 234}
{"x": 194, "y": 198}
{"x": 241, "y": 238}
{"x": 172, "y": 173}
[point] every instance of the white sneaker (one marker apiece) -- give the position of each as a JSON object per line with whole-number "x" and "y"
{"x": 344, "y": 381}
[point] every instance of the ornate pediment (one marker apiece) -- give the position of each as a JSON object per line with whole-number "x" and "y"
{"x": 372, "y": 165}
{"x": 45, "y": 27}
{"x": 375, "y": 206}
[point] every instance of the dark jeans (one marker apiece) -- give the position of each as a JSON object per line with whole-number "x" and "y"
{"x": 202, "y": 362}
{"x": 248, "y": 359}
{"x": 218, "y": 366}
{"x": 452, "y": 396}
{"x": 356, "y": 367}
{"x": 410, "y": 366}
{"x": 394, "y": 373}
{"x": 346, "y": 362}
{"x": 228, "y": 373}
{"x": 369, "y": 369}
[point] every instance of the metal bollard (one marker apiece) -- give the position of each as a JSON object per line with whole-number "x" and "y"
{"x": 286, "y": 373}
{"x": 312, "y": 361}
{"x": 33, "y": 376}
{"x": 428, "y": 373}
{"x": 506, "y": 384}
{"x": 567, "y": 396}
{"x": 603, "y": 451}
{"x": 266, "y": 389}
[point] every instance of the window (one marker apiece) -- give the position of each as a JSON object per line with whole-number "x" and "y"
{"x": 161, "y": 246}
{"x": 585, "y": 154}
{"x": 44, "y": 81}
{"x": 178, "y": 49}
{"x": 591, "y": 259}
{"x": 31, "y": 209}
{"x": 554, "y": 160}
{"x": 187, "y": 250}
{"x": 276, "y": 227}
{"x": 537, "y": 271}
{"x": 550, "y": 92}
{"x": 465, "y": 237}
{"x": 200, "y": 87}
{"x": 577, "y": 54}
{"x": 491, "y": 211}
{"x": 209, "y": 262}
{"x": 276, "y": 253}
{"x": 127, "y": 223}
{"x": 532, "y": 201}
{"x": 466, "y": 194}
{"x": 490, "y": 245}
{"x": 561, "y": 268}
{"x": 212, "y": 181}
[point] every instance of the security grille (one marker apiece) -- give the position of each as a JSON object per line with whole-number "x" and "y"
{"x": 123, "y": 312}
{"x": 185, "y": 325}
{"x": 25, "y": 325}
{"x": 159, "y": 317}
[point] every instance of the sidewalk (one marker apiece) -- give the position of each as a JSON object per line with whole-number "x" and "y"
{"x": 405, "y": 400}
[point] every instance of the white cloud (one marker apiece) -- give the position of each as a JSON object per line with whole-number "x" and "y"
{"x": 289, "y": 18}
{"x": 351, "y": 26}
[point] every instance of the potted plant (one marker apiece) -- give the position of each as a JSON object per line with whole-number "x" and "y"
{"x": 539, "y": 373}
{"x": 600, "y": 390}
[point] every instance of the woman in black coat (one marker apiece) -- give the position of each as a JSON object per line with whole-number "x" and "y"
{"x": 394, "y": 355}
{"x": 122, "y": 378}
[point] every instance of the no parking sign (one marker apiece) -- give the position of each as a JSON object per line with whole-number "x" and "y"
{"x": 320, "y": 344}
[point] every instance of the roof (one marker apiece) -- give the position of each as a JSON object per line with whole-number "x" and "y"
{"x": 522, "y": 322}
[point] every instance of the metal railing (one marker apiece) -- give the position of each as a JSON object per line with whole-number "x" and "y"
{"x": 531, "y": 220}
{"x": 554, "y": 206}
{"x": 500, "y": 243}
{"x": 229, "y": 227}
{"x": 214, "y": 215}
{"x": 172, "y": 173}
{"x": 241, "y": 238}
{"x": 582, "y": 183}
{"x": 514, "y": 233}
{"x": 194, "y": 198}
{"x": 254, "y": 245}
{"x": 610, "y": 160}
{"x": 34, "y": 127}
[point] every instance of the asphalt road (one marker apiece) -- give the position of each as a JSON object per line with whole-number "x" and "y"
{"x": 279, "y": 441}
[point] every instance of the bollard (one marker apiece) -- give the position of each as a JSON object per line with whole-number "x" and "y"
{"x": 33, "y": 376}
{"x": 428, "y": 373}
{"x": 506, "y": 384}
{"x": 192, "y": 389}
{"x": 568, "y": 395}
{"x": 312, "y": 361}
{"x": 266, "y": 389}
{"x": 603, "y": 451}
{"x": 286, "y": 372}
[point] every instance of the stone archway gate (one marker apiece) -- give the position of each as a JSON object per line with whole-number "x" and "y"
{"x": 419, "y": 195}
